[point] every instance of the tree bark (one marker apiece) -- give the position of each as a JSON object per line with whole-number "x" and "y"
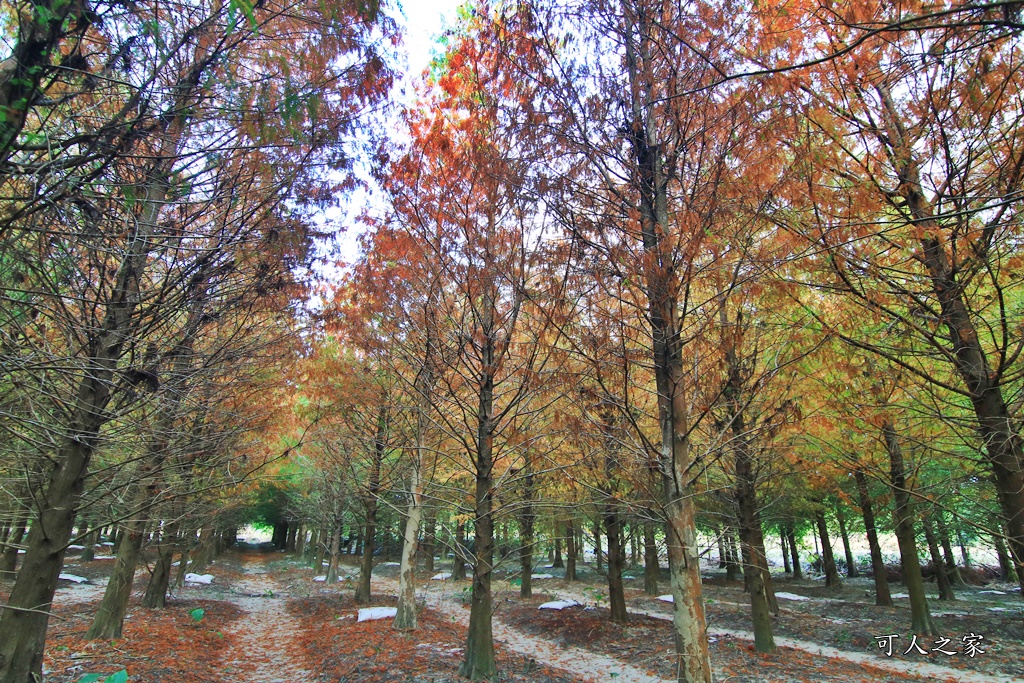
{"x": 527, "y": 517}
{"x": 12, "y": 544}
{"x": 334, "y": 556}
{"x": 570, "y": 550}
{"x": 616, "y": 560}
{"x": 851, "y": 565}
{"x": 947, "y": 550}
{"x": 652, "y": 568}
{"x": 878, "y": 569}
{"x": 1005, "y": 564}
{"x": 939, "y": 565}
{"x": 921, "y": 620}
{"x": 785, "y": 553}
{"x": 370, "y": 506}
{"x": 430, "y": 542}
{"x": 557, "y": 562}
{"x": 798, "y": 572}
{"x": 160, "y": 581}
{"x": 828, "y": 560}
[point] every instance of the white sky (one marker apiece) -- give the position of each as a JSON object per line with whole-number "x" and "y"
{"x": 424, "y": 20}
{"x": 421, "y": 23}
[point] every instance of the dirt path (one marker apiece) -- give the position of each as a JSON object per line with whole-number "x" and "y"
{"x": 260, "y": 651}
{"x": 572, "y": 660}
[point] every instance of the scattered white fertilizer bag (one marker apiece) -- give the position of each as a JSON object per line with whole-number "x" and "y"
{"x": 443, "y": 576}
{"x": 535, "y": 577}
{"x": 559, "y": 604}
{"x": 73, "y": 578}
{"x": 371, "y": 613}
{"x": 666, "y": 598}
{"x": 199, "y": 578}
{"x": 790, "y": 596}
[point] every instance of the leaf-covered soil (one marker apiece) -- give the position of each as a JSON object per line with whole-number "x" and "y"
{"x": 344, "y": 650}
{"x": 158, "y": 645}
{"x": 849, "y": 620}
{"x": 647, "y": 642}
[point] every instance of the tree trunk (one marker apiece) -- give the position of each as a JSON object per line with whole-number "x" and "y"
{"x": 794, "y": 551}
{"x": 921, "y": 620}
{"x": 89, "y": 545}
{"x": 300, "y": 541}
{"x": 557, "y": 562}
{"x": 370, "y": 504}
{"x": 570, "y": 550}
{"x": 828, "y": 560}
{"x": 527, "y": 517}
{"x": 334, "y": 558}
{"x": 851, "y": 565}
{"x": 203, "y": 555}
{"x": 616, "y": 560}
{"x": 947, "y": 550}
{"x": 785, "y": 553}
{"x": 321, "y": 551}
{"x": 733, "y": 566}
{"x": 109, "y": 619}
{"x": 160, "y": 581}
{"x": 939, "y": 565}
{"x": 430, "y": 543}
{"x": 598, "y": 553}
{"x": 9, "y": 560}
{"x": 720, "y": 540}
{"x": 459, "y": 561}
{"x": 478, "y": 662}
{"x": 652, "y": 568}
{"x": 878, "y": 570}
{"x": 405, "y": 617}
{"x": 963, "y": 549}
{"x": 1005, "y": 565}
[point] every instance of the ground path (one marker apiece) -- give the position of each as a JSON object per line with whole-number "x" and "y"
{"x": 572, "y": 660}
{"x": 259, "y": 652}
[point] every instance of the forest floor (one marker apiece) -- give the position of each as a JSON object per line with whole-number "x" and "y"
{"x": 265, "y": 619}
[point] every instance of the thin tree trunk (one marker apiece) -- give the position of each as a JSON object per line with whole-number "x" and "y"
{"x": 938, "y": 564}
{"x": 557, "y": 562}
{"x": 570, "y": 550}
{"x": 947, "y": 550}
{"x": 785, "y": 553}
{"x": 527, "y": 517}
{"x": 362, "y": 593}
{"x": 921, "y": 620}
{"x": 430, "y": 543}
{"x": 794, "y": 551}
{"x": 334, "y": 556}
{"x": 1005, "y": 565}
{"x": 9, "y": 561}
{"x": 851, "y": 565}
{"x": 963, "y": 549}
{"x": 878, "y": 569}
{"x": 652, "y": 568}
{"x": 828, "y": 560}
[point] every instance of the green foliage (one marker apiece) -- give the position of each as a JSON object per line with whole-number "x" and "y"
{"x": 197, "y": 614}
